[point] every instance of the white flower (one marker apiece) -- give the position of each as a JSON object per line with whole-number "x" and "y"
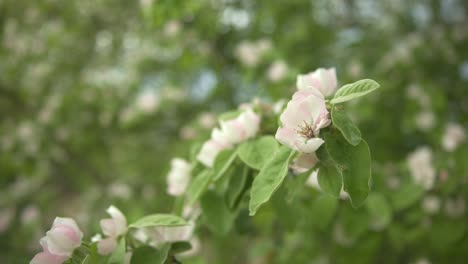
{"x": 46, "y": 257}
{"x": 431, "y": 204}
{"x": 63, "y": 237}
{"x": 303, "y": 163}
{"x": 59, "y": 243}
{"x": 147, "y": 101}
{"x": 250, "y": 53}
{"x": 454, "y": 135}
{"x": 425, "y": 120}
{"x": 277, "y": 71}
{"x": 113, "y": 228}
{"x": 233, "y": 131}
{"x": 179, "y": 177}
{"x": 324, "y": 80}
{"x": 302, "y": 120}
{"x": 420, "y": 166}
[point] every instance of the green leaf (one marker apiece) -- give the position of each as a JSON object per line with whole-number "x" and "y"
{"x": 296, "y": 183}
{"x": 118, "y": 255}
{"x": 350, "y": 132}
{"x": 330, "y": 179}
{"x": 215, "y": 213}
{"x": 407, "y": 195}
{"x": 237, "y": 185}
{"x": 354, "y": 90}
{"x": 180, "y": 246}
{"x": 198, "y": 186}
{"x": 380, "y": 210}
{"x": 159, "y": 220}
{"x": 255, "y": 153}
{"x": 323, "y": 208}
{"x": 269, "y": 178}
{"x": 95, "y": 258}
{"x": 222, "y": 162}
{"x": 355, "y": 165}
{"x": 150, "y": 255}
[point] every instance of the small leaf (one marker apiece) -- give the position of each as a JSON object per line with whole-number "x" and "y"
{"x": 296, "y": 183}
{"x": 222, "y": 163}
{"x": 324, "y": 208}
{"x": 255, "y": 153}
{"x": 406, "y": 196}
{"x": 350, "y": 132}
{"x": 215, "y": 213}
{"x": 237, "y": 186}
{"x": 159, "y": 220}
{"x": 330, "y": 179}
{"x": 269, "y": 178}
{"x": 150, "y": 255}
{"x": 354, "y": 90}
{"x": 118, "y": 256}
{"x": 379, "y": 210}
{"x": 355, "y": 164}
{"x": 198, "y": 186}
{"x": 180, "y": 246}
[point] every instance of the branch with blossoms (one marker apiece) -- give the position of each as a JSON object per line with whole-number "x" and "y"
{"x": 254, "y": 151}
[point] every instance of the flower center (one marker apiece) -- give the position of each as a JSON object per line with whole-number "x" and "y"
{"x": 306, "y": 130}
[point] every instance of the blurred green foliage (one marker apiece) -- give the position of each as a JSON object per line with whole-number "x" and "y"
{"x": 97, "y": 96}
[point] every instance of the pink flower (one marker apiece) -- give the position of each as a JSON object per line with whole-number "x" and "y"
{"x": 233, "y": 131}
{"x": 321, "y": 79}
{"x": 46, "y": 257}
{"x": 59, "y": 243}
{"x": 302, "y": 120}
{"x": 113, "y": 228}
{"x": 179, "y": 177}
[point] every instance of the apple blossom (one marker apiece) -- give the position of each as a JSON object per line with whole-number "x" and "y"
{"x": 421, "y": 169}
{"x": 233, "y": 131}
{"x": 302, "y": 120}
{"x": 46, "y": 257}
{"x": 454, "y": 135}
{"x": 59, "y": 243}
{"x": 303, "y": 163}
{"x": 178, "y": 177}
{"x": 324, "y": 80}
{"x": 113, "y": 228}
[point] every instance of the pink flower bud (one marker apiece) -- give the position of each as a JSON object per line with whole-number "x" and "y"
{"x": 233, "y": 131}
{"x": 63, "y": 237}
{"x": 59, "y": 243}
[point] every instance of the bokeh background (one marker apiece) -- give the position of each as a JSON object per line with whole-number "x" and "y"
{"x": 96, "y": 97}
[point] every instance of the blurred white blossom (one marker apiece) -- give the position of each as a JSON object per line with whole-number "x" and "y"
{"x": 431, "y": 204}
{"x": 420, "y": 166}
{"x": 277, "y": 71}
{"x": 178, "y": 177}
{"x": 453, "y": 136}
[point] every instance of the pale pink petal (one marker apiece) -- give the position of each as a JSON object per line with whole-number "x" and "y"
{"x": 107, "y": 245}
{"x": 47, "y": 258}
{"x": 62, "y": 240}
{"x": 108, "y": 226}
{"x": 308, "y": 146}
{"x": 286, "y": 136}
{"x": 120, "y": 221}
{"x": 209, "y": 151}
{"x": 250, "y": 121}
